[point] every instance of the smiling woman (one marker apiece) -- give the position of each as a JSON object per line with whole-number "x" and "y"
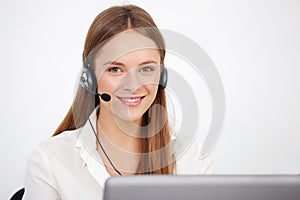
{"x": 132, "y": 81}
{"x": 118, "y": 122}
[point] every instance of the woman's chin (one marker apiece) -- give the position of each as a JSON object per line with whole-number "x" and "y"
{"x": 130, "y": 118}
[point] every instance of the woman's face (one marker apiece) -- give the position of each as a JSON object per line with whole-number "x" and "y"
{"x": 128, "y": 69}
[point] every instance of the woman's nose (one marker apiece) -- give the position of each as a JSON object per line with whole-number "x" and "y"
{"x": 131, "y": 81}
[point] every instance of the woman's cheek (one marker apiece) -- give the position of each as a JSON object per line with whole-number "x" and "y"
{"x": 152, "y": 88}
{"x": 108, "y": 84}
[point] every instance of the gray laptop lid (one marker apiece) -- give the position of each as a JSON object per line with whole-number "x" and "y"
{"x": 213, "y": 187}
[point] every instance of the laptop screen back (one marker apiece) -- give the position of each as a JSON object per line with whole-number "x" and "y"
{"x": 212, "y": 187}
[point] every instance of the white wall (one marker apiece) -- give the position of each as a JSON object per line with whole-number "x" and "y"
{"x": 255, "y": 46}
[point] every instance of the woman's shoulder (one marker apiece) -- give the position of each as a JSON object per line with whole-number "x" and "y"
{"x": 61, "y": 144}
{"x": 56, "y": 151}
{"x": 62, "y": 140}
{"x": 53, "y": 164}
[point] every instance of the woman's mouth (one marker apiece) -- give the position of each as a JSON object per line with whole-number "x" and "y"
{"x": 131, "y": 101}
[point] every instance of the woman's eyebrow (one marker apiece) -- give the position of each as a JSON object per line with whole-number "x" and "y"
{"x": 122, "y": 64}
{"x": 148, "y": 62}
{"x": 113, "y": 63}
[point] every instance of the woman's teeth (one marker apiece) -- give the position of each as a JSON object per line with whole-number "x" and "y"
{"x": 131, "y": 100}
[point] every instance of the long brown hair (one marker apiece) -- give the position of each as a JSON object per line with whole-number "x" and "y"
{"x": 107, "y": 24}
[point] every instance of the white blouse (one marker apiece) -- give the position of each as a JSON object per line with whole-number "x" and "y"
{"x": 68, "y": 166}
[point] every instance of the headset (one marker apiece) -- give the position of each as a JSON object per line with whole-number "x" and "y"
{"x": 88, "y": 80}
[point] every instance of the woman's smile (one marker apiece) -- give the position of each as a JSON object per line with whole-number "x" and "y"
{"x": 131, "y": 101}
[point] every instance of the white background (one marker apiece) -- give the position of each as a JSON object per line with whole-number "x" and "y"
{"x": 255, "y": 46}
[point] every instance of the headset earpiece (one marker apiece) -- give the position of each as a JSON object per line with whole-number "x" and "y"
{"x": 163, "y": 78}
{"x": 88, "y": 79}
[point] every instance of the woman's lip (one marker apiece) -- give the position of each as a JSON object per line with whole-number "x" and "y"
{"x": 131, "y": 101}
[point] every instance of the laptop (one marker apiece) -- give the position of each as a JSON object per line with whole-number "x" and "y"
{"x": 205, "y": 187}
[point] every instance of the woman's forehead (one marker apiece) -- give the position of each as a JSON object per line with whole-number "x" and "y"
{"x": 122, "y": 44}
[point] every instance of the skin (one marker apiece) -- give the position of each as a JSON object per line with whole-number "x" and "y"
{"x": 128, "y": 69}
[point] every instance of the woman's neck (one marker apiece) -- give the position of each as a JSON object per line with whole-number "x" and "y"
{"x": 122, "y": 134}
{"x": 120, "y": 141}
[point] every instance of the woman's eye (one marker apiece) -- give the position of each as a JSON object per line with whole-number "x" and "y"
{"x": 115, "y": 70}
{"x": 147, "y": 69}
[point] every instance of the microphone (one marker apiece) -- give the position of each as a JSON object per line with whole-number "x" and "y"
{"x": 104, "y": 97}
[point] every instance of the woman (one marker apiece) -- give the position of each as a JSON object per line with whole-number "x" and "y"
{"x": 117, "y": 124}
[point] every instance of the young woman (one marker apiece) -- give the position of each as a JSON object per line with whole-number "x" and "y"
{"x": 118, "y": 122}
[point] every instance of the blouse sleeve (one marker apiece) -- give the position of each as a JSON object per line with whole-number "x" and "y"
{"x": 39, "y": 181}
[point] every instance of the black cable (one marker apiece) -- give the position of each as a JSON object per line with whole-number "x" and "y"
{"x": 104, "y": 150}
